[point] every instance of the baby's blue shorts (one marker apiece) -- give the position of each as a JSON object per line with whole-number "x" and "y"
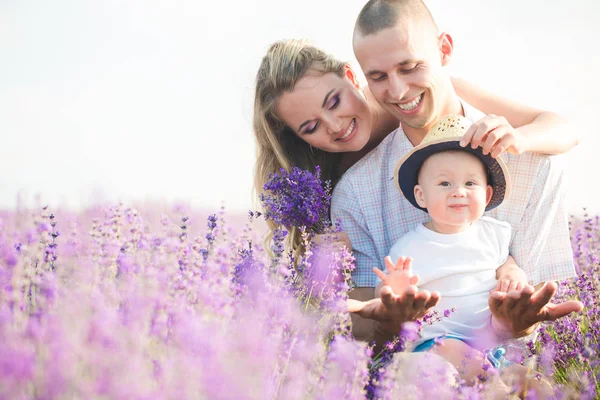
{"x": 496, "y": 356}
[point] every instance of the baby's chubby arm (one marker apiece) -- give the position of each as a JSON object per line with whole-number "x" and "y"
{"x": 399, "y": 276}
{"x": 510, "y": 277}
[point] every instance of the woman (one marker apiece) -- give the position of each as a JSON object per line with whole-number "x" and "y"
{"x": 309, "y": 110}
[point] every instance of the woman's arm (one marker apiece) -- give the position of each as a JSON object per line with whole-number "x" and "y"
{"x": 539, "y": 131}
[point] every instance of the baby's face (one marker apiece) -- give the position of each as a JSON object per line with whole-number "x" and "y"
{"x": 453, "y": 187}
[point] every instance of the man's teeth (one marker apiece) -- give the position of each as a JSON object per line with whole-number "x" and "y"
{"x": 349, "y": 130}
{"x": 411, "y": 105}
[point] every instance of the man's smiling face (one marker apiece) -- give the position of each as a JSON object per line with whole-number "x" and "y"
{"x": 404, "y": 69}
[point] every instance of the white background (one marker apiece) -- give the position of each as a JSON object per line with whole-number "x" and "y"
{"x": 152, "y": 100}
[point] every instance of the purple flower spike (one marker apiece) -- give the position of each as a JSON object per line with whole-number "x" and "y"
{"x": 297, "y": 198}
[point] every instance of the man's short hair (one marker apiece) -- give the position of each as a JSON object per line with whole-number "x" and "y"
{"x": 378, "y": 15}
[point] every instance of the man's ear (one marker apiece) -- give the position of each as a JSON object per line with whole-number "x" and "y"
{"x": 349, "y": 72}
{"x": 419, "y": 198}
{"x": 446, "y": 47}
{"x": 489, "y": 191}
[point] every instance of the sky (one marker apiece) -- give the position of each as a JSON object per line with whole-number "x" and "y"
{"x": 146, "y": 100}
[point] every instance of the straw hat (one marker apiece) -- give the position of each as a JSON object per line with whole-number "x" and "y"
{"x": 446, "y": 135}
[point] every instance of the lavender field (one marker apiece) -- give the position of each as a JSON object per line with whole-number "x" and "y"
{"x": 119, "y": 303}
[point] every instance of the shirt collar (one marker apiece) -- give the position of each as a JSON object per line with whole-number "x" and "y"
{"x": 400, "y": 146}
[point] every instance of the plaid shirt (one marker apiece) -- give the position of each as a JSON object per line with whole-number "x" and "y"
{"x": 375, "y": 215}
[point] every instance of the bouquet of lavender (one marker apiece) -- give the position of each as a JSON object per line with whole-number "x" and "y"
{"x": 297, "y": 198}
{"x": 318, "y": 272}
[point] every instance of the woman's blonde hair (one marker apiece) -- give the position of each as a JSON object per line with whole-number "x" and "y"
{"x": 278, "y": 146}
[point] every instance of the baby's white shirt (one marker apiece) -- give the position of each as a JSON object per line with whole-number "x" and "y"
{"x": 462, "y": 268}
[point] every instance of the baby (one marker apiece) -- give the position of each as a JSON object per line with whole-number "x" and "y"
{"x": 459, "y": 252}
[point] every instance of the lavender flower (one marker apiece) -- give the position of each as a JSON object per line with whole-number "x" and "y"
{"x": 277, "y": 246}
{"x": 297, "y": 198}
{"x": 248, "y": 271}
{"x": 210, "y": 236}
{"x": 50, "y": 255}
{"x": 225, "y": 325}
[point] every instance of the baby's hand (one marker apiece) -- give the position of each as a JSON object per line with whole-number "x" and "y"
{"x": 512, "y": 280}
{"x": 399, "y": 276}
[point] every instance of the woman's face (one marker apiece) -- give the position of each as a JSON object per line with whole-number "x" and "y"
{"x": 328, "y": 112}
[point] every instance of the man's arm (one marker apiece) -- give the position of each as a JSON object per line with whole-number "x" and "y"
{"x": 541, "y": 245}
{"x": 346, "y": 209}
{"x": 534, "y": 130}
{"x": 390, "y": 310}
{"x": 542, "y": 248}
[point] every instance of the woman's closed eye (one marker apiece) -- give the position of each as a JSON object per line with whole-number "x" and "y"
{"x": 311, "y": 128}
{"x": 333, "y": 102}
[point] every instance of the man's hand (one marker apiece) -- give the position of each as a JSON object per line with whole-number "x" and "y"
{"x": 495, "y": 135}
{"x": 516, "y": 314}
{"x": 392, "y": 310}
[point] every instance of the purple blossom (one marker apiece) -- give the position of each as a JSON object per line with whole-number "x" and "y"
{"x": 8, "y": 257}
{"x": 297, "y": 198}
{"x": 277, "y": 246}
{"x": 119, "y": 319}
{"x": 410, "y": 331}
{"x": 248, "y": 271}
{"x": 210, "y": 236}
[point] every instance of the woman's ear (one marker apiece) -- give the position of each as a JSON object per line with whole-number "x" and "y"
{"x": 446, "y": 47}
{"x": 419, "y": 198}
{"x": 349, "y": 72}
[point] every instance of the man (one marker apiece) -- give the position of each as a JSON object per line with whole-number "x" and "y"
{"x": 402, "y": 54}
